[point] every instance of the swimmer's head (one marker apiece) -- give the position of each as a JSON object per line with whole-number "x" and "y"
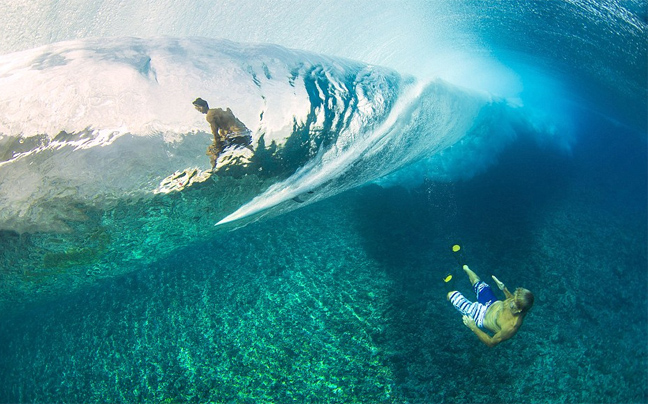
{"x": 523, "y": 299}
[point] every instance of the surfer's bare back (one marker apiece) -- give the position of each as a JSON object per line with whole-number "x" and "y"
{"x": 225, "y": 127}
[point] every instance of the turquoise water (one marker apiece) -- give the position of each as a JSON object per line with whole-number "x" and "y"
{"x": 342, "y": 301}
{"x": 327, "y": 285}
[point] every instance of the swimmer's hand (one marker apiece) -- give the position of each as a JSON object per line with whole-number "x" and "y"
{"x": 500, "y": 285}
{"x": 469, "y": 322}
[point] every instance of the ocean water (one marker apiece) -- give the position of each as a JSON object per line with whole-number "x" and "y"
{"x": 309, "y": 269}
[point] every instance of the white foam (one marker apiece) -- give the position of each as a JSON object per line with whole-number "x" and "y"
{"x": 143, "y": 87}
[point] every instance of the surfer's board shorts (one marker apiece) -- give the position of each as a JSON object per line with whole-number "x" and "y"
{"x": 237, "y": 139}
{"x": 475, "y": 310}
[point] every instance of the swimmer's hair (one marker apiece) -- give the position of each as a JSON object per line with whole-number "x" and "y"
{"x": 525, "y": 299}
{"x": 200, "y": 102}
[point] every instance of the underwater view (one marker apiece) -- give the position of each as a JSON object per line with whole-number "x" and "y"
{"x": 274, "y": 202}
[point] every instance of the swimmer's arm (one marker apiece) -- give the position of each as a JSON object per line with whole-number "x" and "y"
{"x": 502, "y": 287}
{"x": 502, "y": 335}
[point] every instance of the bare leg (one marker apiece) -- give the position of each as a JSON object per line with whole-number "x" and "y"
{"x": 214, "y": 150}
{"x": 471, "y": 275}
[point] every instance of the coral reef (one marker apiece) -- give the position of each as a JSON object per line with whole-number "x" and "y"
{"x": 343, "y": 301}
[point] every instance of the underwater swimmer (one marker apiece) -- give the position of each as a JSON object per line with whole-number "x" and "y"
{"x": 225, "y": 127}
{"x": 502, "y": 318}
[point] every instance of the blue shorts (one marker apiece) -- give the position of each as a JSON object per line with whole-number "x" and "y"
{"x": 476, "y": 310}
